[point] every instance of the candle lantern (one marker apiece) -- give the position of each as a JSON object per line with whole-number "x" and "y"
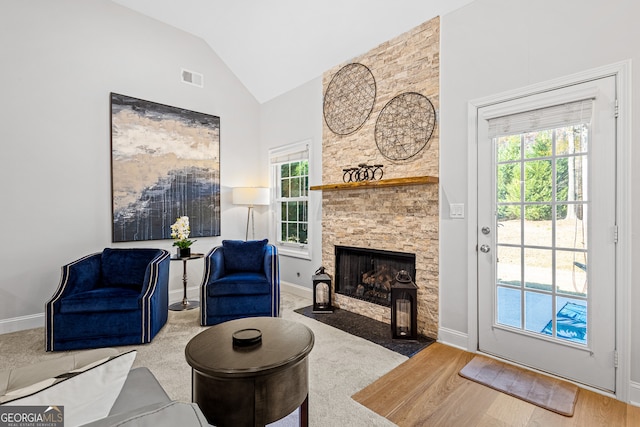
{"x": 404, "y": 309}
{"x": 322, "y": 292}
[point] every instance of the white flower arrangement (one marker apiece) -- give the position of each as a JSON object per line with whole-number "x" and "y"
{"x": 180, "y": 231}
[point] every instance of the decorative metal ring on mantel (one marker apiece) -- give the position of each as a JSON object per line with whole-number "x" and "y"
{"x": 349, "y": 99}
{"x": 404, "y": 126}
{"x": 363, "y": 172}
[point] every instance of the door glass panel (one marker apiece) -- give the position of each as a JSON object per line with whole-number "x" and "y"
{"x": 564, "y": 213}
{"x": 538, "y": 311}
{"x": 508, "y": 148}
{"x": 538, "y": 177}
{"x": 508, "y": 182}
{"x": 537, "y": 230}
{"x": 509, "y": 268}
{"x": 570, "y": 185}
{"x": 509, "y": 232}
{"x": 572, "y": 139}
{"x": 562, "y": 178}
{"x": 538, "y": 273}
{"x": 541, "y": 246}
{"x": 571, "y": 320}
{"x": 509, "y": 307}
{"x": 571, "y": 273}
{"x": 537, "y": 144}
{"x": 571, "y": 228}
{"x": 508, "y": 212}
{"x": 579, "y": 173}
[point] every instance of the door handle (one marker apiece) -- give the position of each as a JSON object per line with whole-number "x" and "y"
{"x": 485, "y": 248}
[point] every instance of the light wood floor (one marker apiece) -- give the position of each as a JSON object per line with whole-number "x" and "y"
{"x": 426, "y": 390}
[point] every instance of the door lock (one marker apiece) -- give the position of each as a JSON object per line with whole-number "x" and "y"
{"x": 485, "y": 248}
{"x": 486, "y": 230}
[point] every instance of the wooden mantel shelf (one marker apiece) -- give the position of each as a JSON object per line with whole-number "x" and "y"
{"x": 394, "y": 182}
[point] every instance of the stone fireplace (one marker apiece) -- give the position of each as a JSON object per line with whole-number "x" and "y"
{"x": 406, "y": 221}
{"x": 402, "y": 215}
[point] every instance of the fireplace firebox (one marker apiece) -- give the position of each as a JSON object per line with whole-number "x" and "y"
{"x": 367, "y": 274}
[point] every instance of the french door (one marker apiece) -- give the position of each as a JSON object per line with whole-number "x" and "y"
{"x": 547, "y": 232}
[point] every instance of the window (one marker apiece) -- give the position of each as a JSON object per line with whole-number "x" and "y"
{"x": 293, "y": 179}
{"x": 290, "y": 199}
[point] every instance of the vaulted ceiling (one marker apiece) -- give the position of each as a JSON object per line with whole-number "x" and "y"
{"x": 273, "y": 46}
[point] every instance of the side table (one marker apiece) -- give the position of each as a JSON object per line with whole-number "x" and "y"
{"x": 253, "y": 384}
{"x": 185, "y": 304}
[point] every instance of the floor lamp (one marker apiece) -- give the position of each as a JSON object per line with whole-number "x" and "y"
{"x": 250, "y": 196}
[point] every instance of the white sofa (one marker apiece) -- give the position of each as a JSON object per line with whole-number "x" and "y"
{"x": 97, "y": 388}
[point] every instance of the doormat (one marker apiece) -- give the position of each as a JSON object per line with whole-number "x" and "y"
{"x": 541, "y": 390}
{"x": 367, "y": 328}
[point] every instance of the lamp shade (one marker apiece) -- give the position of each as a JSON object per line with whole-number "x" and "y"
{"x": 251, "y": 196}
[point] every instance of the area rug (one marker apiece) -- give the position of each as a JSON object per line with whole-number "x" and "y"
{"x": 367, "y": 328}
{"x": 541, "y": 390}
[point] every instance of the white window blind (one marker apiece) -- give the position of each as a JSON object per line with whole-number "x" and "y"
{"x": 562, "y": 115}
{"x": 291, "y": 153}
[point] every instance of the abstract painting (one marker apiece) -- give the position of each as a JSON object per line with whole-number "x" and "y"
{"x": 165, "y": 163}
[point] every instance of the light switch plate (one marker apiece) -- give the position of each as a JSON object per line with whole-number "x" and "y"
{"x": 456, "y": 210}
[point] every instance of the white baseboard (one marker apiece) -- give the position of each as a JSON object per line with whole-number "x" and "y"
{"x": 453, "y": 338}
{"x": 37, "y": 320}
{"x": 31, "y": 321}
{"x": 634, "y": 393}
{"x": 21, "y": 323}
{"x": 297, "y": 290}
{"x": 193, "y": 292}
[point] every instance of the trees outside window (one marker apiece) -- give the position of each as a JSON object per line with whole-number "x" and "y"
{"x": 293, "y": 202}
{"x": 530, "y": 158}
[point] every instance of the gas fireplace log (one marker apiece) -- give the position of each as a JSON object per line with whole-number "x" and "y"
{"x": 380, "y": 279}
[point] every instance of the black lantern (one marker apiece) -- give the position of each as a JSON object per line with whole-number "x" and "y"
{"x": 404, "y": 310}
{"x": 322, "y": 292}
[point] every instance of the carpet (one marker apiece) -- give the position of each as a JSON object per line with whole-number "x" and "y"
{"x": 541, "y": 390}
{"x": 340, "y": 364}
{"x": 367, "y": 328}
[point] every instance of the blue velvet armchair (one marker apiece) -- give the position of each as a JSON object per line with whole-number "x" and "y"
{"x": 241, "y": 279}
{"x": 116, "y": 297}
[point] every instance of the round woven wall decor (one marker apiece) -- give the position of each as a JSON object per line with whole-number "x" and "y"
{"x": 404, "y": 126}
{"x": 349, "y": 99}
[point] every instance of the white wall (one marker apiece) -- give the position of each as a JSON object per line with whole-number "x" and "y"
{"x": 491, "y": 46}
{"x": 296, "y": 116}
{"x": 60, "y": 61}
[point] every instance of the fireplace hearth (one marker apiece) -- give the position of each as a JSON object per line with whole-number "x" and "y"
{"x": 368, "y": 274}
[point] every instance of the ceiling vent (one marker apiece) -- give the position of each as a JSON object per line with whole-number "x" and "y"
{"x": 192, "y": 78}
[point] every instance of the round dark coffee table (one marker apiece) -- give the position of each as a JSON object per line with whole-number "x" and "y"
{"x": 260, "y": 379}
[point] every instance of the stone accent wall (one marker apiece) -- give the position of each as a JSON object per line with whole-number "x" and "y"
{"x": 403, "y": 218}
{"x": 407, "y": 63}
